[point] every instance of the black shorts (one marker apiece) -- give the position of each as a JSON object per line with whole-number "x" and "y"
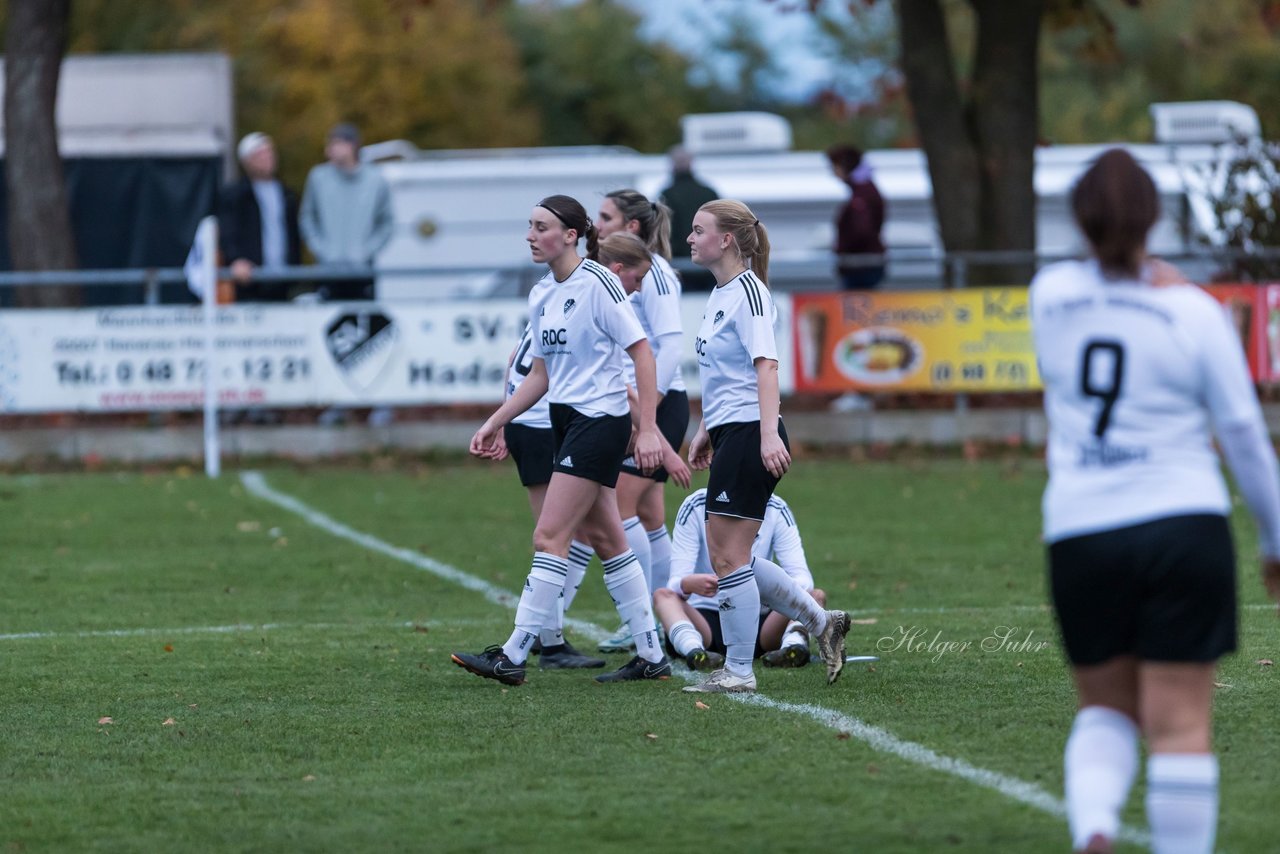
{"x": 1162, "y": 591}
{"x": 586, "y": 447}
{"x": 533, "y": 449}
{"x": 739, "y": 484}
{"x": 673, "y": 424}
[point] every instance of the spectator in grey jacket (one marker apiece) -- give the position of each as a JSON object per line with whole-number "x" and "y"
{"x": 346, "y": 213}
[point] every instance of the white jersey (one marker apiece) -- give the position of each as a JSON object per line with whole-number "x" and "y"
{"x": 778, "y": 539}
{"x": 736, "y": 329}
{"x": 538, "y": 415}
{"x": 657, "y": 304}
{"x": 1133, "y": 374}
{"x": 581, "y": 329}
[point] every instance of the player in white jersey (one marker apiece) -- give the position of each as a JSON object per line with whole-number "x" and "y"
{"x": 741, "y": 437}
{"x": 1136, "y": 369}
{"x": 657, "y": 304}
{"x": 690, "y": 613}
{"x": 582, "y": 328}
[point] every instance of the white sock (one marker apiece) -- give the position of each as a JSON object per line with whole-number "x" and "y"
{"x": 659, "y": 557}
{"x": 794, "y": 635}
{"x": 580, "y": 555}
{"x": 639, "y": 544}
{"x": 1182, "y": 802}
{"x": 1100, "y": 761}
{"x": 684, "y": 637}
{"x": 782, "y": 593}
{"x": 537, "y": 604}
{"x": 625, "y": 581}
{"x": 739, "y": 600}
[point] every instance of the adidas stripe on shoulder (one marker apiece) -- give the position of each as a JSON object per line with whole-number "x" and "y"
{"x": 692, "y": 503}
{"x": 607, "y": 279}
{"x": 751, "y": 285}
{"x": 660, "y": 279}
{"x": 785, "y": 511}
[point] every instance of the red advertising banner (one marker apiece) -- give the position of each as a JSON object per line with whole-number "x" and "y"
{"x": 1247, "y": 308}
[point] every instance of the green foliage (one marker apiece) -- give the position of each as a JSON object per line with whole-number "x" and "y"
{"x": 1164, "y": 50}
{"x": 594, "y": 80}
{"x": 443, "y": 74}
{"x": 1245, "y": 201}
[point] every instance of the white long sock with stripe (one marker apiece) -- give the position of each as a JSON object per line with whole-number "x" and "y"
{"x": 782, "y": 593}
{"x": 580, "y": 555}
{"x": 537, "y": 606}
{"x": 1100, "y": 762}
{"x": 684, "y": 637}
{"x": 1182, "y": 802}
{"x": 739, "y": 599}
{"x": 639, "y": 544}
{"x": 625, "y": 581}
{"x": 659, "y": 557}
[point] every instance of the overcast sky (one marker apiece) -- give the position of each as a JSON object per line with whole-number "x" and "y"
{"x": 694, "y": 25}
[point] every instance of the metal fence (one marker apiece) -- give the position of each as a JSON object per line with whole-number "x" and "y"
{"x": 906, "y": 270}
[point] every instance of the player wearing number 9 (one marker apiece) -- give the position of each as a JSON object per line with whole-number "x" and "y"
{"x": 1138, "y": 367}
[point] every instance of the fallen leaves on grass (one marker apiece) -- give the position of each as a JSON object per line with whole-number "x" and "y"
{"x": 168, "y": 647}
{"x": 867, "y": 621}
{"x": 168, "y": 722}
{"x": 651, "y": 736}
{"x": 842, "y": 736}
{"x": 700, "y": 705}
{"x": 310, "y": 778}
{"x": 422, "y": 630}
{"x": 105, "y": 720}
{"x": 1265, "y": 662}
{"x": 248, "y": 527}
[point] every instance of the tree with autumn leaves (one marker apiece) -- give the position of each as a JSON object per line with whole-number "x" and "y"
{"x": 475, "y": 73}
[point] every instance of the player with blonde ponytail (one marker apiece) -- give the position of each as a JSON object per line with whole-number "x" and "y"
{"x": 743, "y": 442}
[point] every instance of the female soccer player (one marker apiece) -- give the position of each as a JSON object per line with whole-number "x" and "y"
{"x": 529, "y": 440}
{"x": 741, "y": 437}
{"x": 1136, "y": 364}
{"x": 581, "y": 323}
{"x": 688, "y": 609}
{"x": 657, "y": 304}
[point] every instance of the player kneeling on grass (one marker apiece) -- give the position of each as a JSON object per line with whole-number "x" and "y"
{"x": 688, "y": 609}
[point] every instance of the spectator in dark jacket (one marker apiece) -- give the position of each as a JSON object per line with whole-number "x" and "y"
{"x": 258, "y": 222}
{"x": 859, "y": 221}
{"x": 684, "y": 195}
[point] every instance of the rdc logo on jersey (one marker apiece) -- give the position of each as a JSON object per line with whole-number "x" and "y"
{"x": 719, "y": 317}
{"x": 569, "y": 306}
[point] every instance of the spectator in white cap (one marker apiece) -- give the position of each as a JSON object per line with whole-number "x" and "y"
{"x": 346, "y": 213}
{"x": 258, "y": 222}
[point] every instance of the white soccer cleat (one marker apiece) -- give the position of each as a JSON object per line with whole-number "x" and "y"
{"x": 723, "y": 682}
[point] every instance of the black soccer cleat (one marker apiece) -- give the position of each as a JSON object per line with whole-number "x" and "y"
{"x": 699, "y": 659}
{"x": 795, "y": 655}
{"x": 636, "y": 669}
{"x": 565, "y": 657}
{"x": 491, "y": 664}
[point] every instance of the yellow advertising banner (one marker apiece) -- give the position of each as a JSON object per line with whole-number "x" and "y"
{"x": 971, "y": 340}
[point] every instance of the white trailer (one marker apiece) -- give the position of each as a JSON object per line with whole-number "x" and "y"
{"x": 464, "y": 213}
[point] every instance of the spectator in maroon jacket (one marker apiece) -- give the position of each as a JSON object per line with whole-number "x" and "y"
{"x": 859, "y": 221}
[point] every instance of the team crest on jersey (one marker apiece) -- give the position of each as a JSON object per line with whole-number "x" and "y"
{"x": 719, "y": 317}
{"x": 569, "y": 306}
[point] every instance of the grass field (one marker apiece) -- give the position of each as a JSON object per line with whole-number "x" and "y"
{"x": 190, "y": 666}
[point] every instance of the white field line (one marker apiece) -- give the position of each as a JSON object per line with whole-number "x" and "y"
{"x": 233, "y": 628}
{"x": 875, "y": 737}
